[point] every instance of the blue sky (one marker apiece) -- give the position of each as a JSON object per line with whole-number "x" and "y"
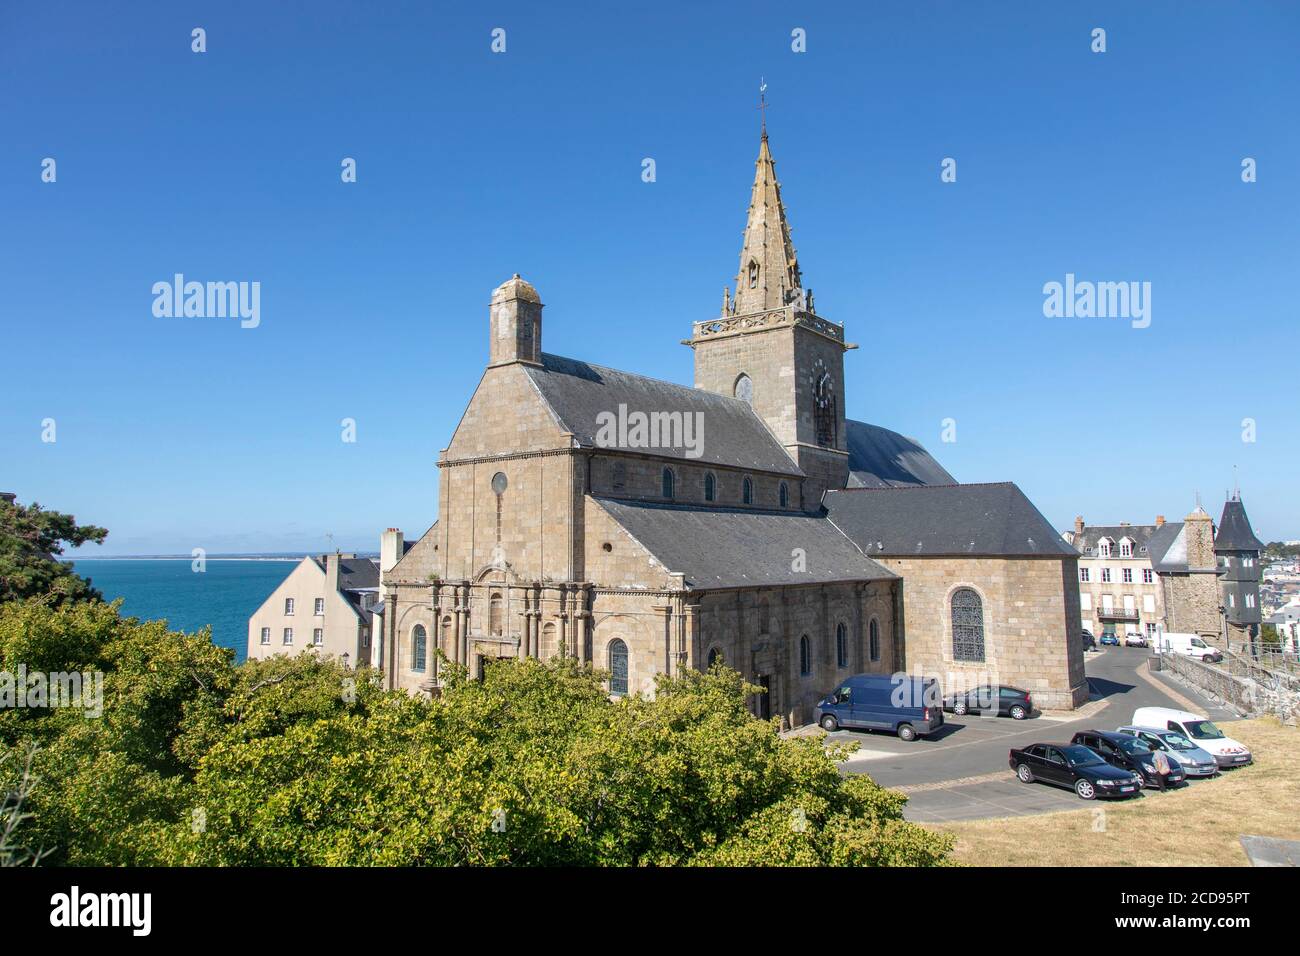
{"x": 182, "y": 433}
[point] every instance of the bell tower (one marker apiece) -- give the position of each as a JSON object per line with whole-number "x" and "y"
{"x": 515, "y": 323}
{"x": 769, "y": 346}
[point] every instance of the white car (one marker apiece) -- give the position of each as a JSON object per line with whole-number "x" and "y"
{"x": 1199, "y": 730}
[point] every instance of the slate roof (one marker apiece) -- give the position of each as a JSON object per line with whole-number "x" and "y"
{"x": 879, "y": 458}
{"x": 994, "y": 520}
{"x": 1167, "y": 548}
{"x": 355, "y": 572}
{"x": 738, "y": 547}
{"x": 733, "y": 434}
{"x": 1235, "y": 532}
{"x": 1140, "y": 534}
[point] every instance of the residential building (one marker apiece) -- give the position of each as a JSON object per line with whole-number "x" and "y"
{"x": 1287, "y": 622}
{"x": 324, "y": 606}
{"x": 1149, "y": 578}
{"x": 1118, "y": 590}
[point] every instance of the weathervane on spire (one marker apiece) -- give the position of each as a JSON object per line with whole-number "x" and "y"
{"x": 762, "y": 103}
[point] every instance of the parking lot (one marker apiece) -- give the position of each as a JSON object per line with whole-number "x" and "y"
{"x": 961, "y": 772}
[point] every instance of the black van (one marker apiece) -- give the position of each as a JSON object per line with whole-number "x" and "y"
{"x": 904, "y": 705}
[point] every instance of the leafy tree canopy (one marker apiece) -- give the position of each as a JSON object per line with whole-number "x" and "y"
{"x": 301, "y": 761}
{"x": 30, "y": 538}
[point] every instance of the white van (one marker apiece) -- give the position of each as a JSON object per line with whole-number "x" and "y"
{"x": 1188, "y": 645}
{"x": 1198, "y": 729}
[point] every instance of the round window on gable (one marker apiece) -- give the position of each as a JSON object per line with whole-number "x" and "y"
{"x": 607, "y": 547}
{"x": 499, "y": 483}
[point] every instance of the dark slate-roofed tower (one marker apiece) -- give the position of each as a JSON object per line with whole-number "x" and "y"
{"x": 1238, "y": 551}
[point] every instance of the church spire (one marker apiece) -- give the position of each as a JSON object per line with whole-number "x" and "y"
{"x": 769, "y": 268}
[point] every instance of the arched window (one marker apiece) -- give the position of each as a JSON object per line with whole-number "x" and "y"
{"x": 841, "y": 645}
{"x": 448, "y": 635}
{"x": 825, "y": 410}
{"x": 419, "y": 648}
{"x": 805, "y": 656}
{"x": 715, "y": 656}
{"x": 495, "y": 615}
{"x": 747, "y": 492}
{"x": 617, "y": 667}
{"x": 753, "y": 274}
{"x": 668, "y": 483}
{"x": 743, "y": 389}
{"x": 710, "y": 487}
{"x": 873, "y": 640}
{"x": 549, "y": 648}
{"x": 967, "y": 626}
{"x": 784, "y": 495}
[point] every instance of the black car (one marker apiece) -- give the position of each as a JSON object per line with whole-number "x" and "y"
{"x": 1089, "y": 642}
{"x": 1070, "y": 765}
{"x": 991, "y": 699}
{"x": 1128, "y": 753}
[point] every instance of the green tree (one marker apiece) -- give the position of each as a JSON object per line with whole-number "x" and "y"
{"x": 107, "y": 783}
{"x": 30, "y": 538}
{"x": 301, "y": 761}
{"x": 534, "y": 765}
{"x": 1269, "y": 638}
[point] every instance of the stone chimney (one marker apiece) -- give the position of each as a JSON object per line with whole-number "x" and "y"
{"x": 390, "y": 552}
{"x": 1078, "y": 525}
{"x": 516, "y": 324}
{"x": 1160, "y": 521}
{"x": 1198, "y": 532}
{"x": 332, "y": 572}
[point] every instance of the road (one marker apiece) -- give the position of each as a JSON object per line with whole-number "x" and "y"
{"x": 961, "y": 772}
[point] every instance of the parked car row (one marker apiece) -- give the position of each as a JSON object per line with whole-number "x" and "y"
{"x": 1187, "y": 645}
{"x": 912, "y": 707}
{"x": 1162, "y": 747}
{"x": 1131, "y": 639}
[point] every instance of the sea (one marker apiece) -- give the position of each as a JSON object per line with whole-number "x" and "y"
{"x": 222, "y": 596}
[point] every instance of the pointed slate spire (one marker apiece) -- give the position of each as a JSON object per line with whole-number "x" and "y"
{"x": 769, "y": 268}
{"x": 1235, "y": 532}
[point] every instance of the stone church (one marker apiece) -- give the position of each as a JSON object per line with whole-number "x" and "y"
{"x": 749, "y": 521}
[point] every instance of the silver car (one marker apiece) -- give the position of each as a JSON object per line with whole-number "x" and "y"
{"x": 1194, "y": 761}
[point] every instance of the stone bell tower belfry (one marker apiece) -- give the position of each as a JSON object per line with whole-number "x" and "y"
{"x": 515, "y": 323}
{"x": 769, "y": 346}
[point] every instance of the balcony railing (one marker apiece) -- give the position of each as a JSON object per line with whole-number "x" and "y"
{"x": 1118, "y": 614}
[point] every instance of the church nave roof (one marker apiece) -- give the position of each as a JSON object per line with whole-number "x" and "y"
{"x": 579, "y": 393}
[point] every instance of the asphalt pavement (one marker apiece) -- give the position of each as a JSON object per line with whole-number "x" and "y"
{"x": 961, "y": 772}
